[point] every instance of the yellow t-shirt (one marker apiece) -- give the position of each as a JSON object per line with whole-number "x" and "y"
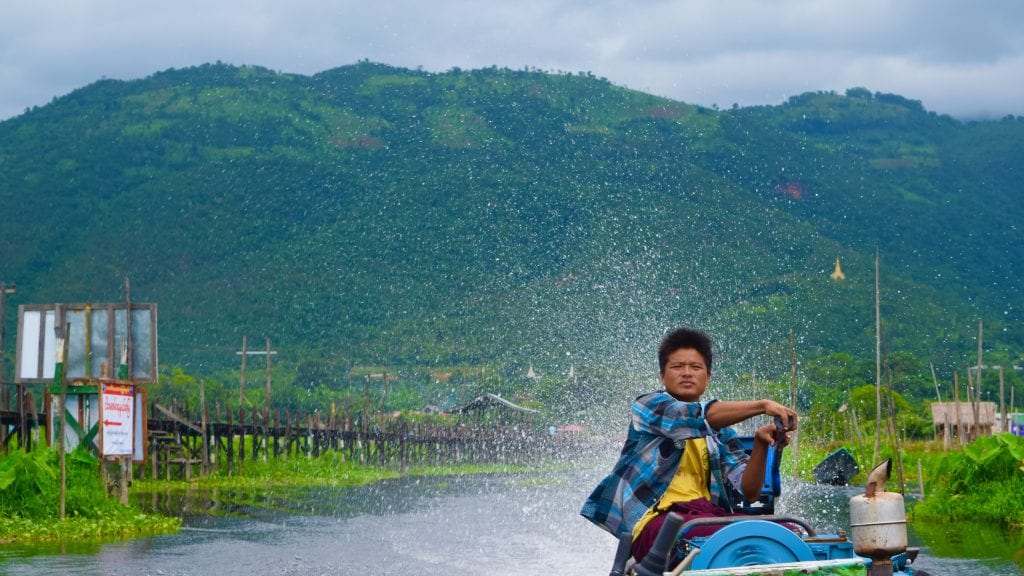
{"x": 689, "y": 483}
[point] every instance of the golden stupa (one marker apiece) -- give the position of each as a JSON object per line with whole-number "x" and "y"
{"x": 837, "y": 274}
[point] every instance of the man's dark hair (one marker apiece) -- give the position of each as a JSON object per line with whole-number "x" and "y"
{"x": 684, "y": 338}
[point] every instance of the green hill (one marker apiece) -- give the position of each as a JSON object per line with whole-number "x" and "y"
{"x": 371, "y": 214}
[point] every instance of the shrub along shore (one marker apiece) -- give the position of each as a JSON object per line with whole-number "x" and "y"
{"x": 983, "y": 482}
{"x": 30, "y": 501}
{"x": 30, "y": 484}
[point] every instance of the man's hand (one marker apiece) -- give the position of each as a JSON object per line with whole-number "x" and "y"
{"x": 783, "y": 413}
{"x": 771, "y": 435}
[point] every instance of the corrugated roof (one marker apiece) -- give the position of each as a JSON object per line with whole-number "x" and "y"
{"x": 489, "y": 401}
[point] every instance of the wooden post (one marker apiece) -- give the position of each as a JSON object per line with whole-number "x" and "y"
{"x": 972, "y": 400}
{"x": 288, "y": 434}
{"x": 1013, "y": 407}
{"x": 204, "y": 468}
{"x": 895, "y": 431}
{"x": 977, "y": 386}
{"x": 128, "y": 327}
{"x": 218, "y": 436}
{"x": 125, "y": 467}
{"x": 878, "y": 369}
{"x": 792, "y": 401}
{"x": 366, "y": 397}
{"x": 956, "y": 406}
{"x": 266, "y": 410}
{"x": 153, "y": 466}
{"x": 230, "y": 445}
{"x": 945, "y": 413}
{"x": 5, "y": 399}
{"x": 241, "y": 409}
{"x": 58, "y": 376}
{"x": 124, "y": 463}
{"x": 4, "y": 291}
{"x": 1002, "y": 405}
{"x": 856, "y": 426}
{"x": 255, "y": 434}
{"x": 920, "y": 479}
{"x": 277, "y": 432}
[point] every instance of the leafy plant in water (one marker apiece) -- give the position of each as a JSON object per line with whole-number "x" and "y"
{"x": 987, "y": 459}
{"x": 26, "y": 482}
{"x": 984, "y": 481}
{"x": 29, "y": 501}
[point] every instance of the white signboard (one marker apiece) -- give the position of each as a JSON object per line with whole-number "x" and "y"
{"x": 117, "y": 411}
{"x": 95, "y": 335}
{"x": 37, "y": 345}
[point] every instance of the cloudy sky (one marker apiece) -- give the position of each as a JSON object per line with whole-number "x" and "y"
{"x": 959, "y": 57}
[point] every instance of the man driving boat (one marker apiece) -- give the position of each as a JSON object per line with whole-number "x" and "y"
{"x": 680, "y": 453}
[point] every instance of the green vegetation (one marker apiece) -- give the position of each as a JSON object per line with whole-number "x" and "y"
{"x": 30, "y": 504}
{"x": 984, "y": 483}
{"x": 371, "y": 215}
{"x": 329, "y": 470}
{"x": 281, "y": 484}
{"x": 454, "y": 230}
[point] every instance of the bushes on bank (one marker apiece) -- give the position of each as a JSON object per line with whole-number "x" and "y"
{"x": 30, "y": 501}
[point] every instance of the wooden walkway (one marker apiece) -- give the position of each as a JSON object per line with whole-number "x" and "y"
{"x": 176, "y": 448}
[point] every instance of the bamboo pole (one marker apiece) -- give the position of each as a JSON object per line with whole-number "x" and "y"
{"x": 977, "y": 385}
{"x": 58, "y": 376}
{"x": 1002, "y": 406}
{"x": 241, "y": 408}
{"x": 945, "y": 413}
{"x": 230, "y": 440}
{"x": 956, "y": 406}
{"x": 128, "y": 325}
{"x": 266, "y": 410}
{"x": 124, "y": 462}
{"x": 920, "y": 480}
{"x": 4, "y": 291}
{"x": 856, "y": 427}
{"x": 204, "y": 468}
{"x": 972, "y": 403}
{"x": 878, "y": 369}
{"x": 895, "y": 432}
{"x": 792, "y": 401}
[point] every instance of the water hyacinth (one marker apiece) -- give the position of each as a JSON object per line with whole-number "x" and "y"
{"x": 29, "y": 501}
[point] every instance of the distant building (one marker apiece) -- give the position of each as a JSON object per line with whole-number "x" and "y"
{"x": 957, "y": 418}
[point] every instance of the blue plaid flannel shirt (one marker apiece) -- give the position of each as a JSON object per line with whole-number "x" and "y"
{"x": 650, "y": 456}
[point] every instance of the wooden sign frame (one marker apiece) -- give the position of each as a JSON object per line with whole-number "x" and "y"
{"x": 97, "y": 333}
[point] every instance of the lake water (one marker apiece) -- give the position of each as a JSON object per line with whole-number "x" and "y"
{"x": 500, "y": 525}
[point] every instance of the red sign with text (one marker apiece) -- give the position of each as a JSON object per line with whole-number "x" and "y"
{"x": 117, "y": 422}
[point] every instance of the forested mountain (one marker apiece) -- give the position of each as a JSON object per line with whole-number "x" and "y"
{"x": 371, "y": 214}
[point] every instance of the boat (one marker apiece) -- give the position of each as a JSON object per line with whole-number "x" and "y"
{"x": 761, "y": 543}
{"x": 768, "y": 546}
{"x": 836, "y": 469}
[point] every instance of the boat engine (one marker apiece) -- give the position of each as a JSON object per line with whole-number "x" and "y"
{"x": 750, "y": 543}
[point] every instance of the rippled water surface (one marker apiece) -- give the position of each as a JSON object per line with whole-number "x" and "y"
{"x": 494, "y": 525}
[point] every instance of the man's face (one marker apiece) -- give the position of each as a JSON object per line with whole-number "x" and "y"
{"x": 686, "y": 375}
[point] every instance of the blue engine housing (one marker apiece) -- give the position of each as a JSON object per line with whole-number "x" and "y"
{"x": 749, "y": 543}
